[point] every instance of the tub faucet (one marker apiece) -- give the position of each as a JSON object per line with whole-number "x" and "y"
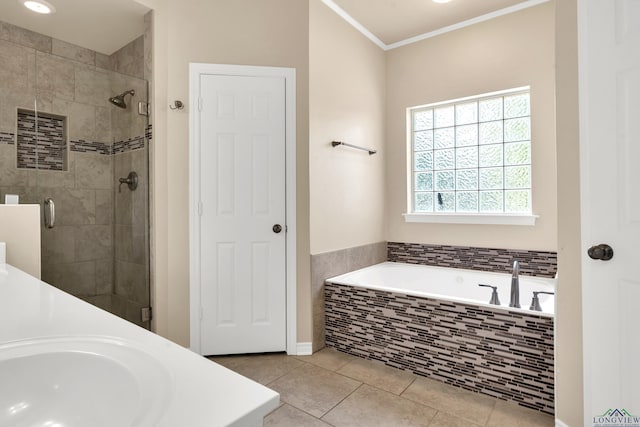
{"x": 515, "y": 286}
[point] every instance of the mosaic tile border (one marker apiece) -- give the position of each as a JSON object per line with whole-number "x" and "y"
{"x": 82, "y": 146}
{"x": 7, "y": 138}
{"x": 118, "y": 147}
{"x": 532, "y": 263}
{"x": 504, "y": 354}
{"x": 128, "y": 145}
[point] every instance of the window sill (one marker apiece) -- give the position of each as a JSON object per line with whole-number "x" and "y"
{"x": 487, "y": 219}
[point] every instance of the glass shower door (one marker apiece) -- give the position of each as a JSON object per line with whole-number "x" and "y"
{"x": 131, "y": 297}
{"x": 97, "y": 249}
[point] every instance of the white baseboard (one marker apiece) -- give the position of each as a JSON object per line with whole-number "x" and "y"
{"x": 304, "y": 349}
{"x": 560, "y": 423}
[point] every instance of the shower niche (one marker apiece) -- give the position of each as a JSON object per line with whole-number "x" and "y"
{"x": 69, "y": 130}
{"x": 41, "y": 141}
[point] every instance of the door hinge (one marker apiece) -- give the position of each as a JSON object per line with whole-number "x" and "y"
{"x": 199, "y": 103}
{"x": 200, "y": 208}
{"x": 145, "y": 314}
{"x": 201, "y": 313}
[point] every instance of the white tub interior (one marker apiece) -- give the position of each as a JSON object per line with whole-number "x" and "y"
{"x": 452, "y": 284}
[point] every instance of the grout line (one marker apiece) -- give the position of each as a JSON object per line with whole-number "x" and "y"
{"x": 408, "y": 385}
{"x": 495, "y": 402}
{"x": 343, "y": 399}
{"x": 295, "y": 407}
{"x": 434, "y": 417}
{"x": 376, "y": 387}
{"x": 286, "y": 373}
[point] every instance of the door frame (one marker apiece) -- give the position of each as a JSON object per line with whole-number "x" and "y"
{"x": 195, "y": 303}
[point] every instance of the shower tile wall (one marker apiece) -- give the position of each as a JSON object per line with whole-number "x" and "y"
{"x": 129, "y": 59}
{"x": 79, "y": 254}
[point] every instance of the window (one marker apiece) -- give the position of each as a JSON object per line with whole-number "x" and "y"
{"x": 472, "y": 156}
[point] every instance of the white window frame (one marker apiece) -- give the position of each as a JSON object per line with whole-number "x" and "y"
{"x": 527, "y": 219}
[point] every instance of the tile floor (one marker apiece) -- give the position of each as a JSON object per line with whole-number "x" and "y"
{"x": 331, "y": 388}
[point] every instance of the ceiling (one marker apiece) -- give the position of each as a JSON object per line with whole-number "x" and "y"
{"x": 107, "y": 25}
{"x": 101, "y": 25}
{"x": 393, "y": 21}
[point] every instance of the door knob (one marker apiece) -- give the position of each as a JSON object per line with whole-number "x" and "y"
{"x": 602, "y": 251}
{"x": 277, "y": 228}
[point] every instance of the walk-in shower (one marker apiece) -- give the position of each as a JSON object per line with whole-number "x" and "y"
{"x": 119, "y": 101}
{"x": 64, "y": 143}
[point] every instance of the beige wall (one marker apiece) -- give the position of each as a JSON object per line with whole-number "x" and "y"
{"x": 346, "y": 103}
{"x": 274, "y": 33}
{"x": 568, "y": 295}
{"x": 507, "y": 52}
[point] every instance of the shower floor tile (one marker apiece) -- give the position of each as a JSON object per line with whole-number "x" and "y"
{"x": 331, "y": 388}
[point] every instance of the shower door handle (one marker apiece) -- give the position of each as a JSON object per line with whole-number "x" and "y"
{"x": 49, "y": 213}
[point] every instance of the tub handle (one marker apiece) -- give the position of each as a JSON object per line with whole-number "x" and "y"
{"x": 535, "y": 301}
{"x": 494, "y": 294}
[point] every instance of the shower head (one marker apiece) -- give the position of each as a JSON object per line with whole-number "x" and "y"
{"x": 118, "y": 100}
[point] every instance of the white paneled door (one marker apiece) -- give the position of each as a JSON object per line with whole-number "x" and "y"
{"x": 609, "y": 41}
{"x": 242, "y": 214}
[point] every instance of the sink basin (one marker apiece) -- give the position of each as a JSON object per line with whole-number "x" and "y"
{"x": 80, "y": 381}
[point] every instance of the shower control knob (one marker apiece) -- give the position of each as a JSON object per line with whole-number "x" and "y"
{"x": 602, "y": 251}
{"x": 277, "y": 228}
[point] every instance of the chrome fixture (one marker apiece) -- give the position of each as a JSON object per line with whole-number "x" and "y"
{"x": 535, "y": 302}
{"x": 49, "y": 213}
{"x": 494, "y": 294}
{"x": 515, "y": 286}
{"x": 131, "y": 180}
{"x": 118, "y": 100}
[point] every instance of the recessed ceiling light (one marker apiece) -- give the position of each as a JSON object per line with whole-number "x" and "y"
{"x": 441, "y": 1}
{"x": 39, "y": 6}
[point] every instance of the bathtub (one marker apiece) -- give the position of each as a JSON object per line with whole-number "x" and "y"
{"x": 450, "y": 284}
{"x": 436, "y": 322}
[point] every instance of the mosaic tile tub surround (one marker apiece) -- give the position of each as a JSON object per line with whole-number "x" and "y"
{"x": 532, "y": 263}
{"x": 501, "y": 353}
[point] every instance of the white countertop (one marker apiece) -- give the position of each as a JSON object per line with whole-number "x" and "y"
{"x": 202, "y": 393}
